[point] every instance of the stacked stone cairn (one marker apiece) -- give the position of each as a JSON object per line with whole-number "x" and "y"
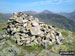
{"x": 28, "y": 31}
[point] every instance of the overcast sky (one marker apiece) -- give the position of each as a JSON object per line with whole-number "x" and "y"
{"x": 10, "y": 6}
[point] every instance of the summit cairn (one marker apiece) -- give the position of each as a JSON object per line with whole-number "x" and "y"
{"x": 28, "y": 31}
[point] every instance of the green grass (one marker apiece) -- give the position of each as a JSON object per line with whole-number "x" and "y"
{"x": 69, "y": 42}
{"x": 33, "y": 48}
{"x": 64, "y": 33}
{"x": 1, "y": 27}
{"x": 30, "y": 49}
{"x": 49, "y": 47}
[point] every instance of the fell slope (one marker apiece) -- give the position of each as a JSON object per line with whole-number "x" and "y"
{"x": 3, "y": 17}
{"x": 70, "y": 16}
{"x": 56, "y": 20}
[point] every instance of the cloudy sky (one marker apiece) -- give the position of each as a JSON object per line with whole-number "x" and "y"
{"x": 9, "y": 6}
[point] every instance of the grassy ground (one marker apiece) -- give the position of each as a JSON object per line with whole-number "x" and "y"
{"x": 68, "y": 43}
{"x": 1, "y": 27}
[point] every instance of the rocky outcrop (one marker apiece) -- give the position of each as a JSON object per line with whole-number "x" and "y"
{"x": 28, "y": 31}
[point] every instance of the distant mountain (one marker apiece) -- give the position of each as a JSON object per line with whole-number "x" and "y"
{"x": 70, "y": 16}
{"x": 56, "y": 20}
{"x": 30, "y": 12}
{"x": 3, "y": 17}
{"x": 48, "y": 17}
{"x": 46, "y": 11}
{"x": 9, "y": 14}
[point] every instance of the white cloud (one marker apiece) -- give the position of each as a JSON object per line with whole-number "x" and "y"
{"x": 41, "y": 2}
{"x": 38, "y": 3}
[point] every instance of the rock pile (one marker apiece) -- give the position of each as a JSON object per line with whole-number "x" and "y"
{"x": 27, "y": 30}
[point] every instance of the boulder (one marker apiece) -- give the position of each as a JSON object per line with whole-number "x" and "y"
{"x": 35, "y": 30}
{"x": 39, "y": 39}
{"x": 34, "y": 23}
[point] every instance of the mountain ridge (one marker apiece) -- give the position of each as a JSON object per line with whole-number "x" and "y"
{"x": 70, "y": 15}
{"x": 49, "y": 17}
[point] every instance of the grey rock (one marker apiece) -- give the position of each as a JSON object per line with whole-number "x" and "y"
{"x": 34, "y": 23}
{"x": 35, "y": 30}
{"x": 45, "y": 43}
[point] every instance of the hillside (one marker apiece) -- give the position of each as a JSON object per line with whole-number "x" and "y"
{"x": 30, "y": 12}
{"x": 70, "y": 16}
{"x": 3, "y": 17}
{"x": 56, "y": 20}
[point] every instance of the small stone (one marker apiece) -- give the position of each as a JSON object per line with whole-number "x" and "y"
{"x": 24, "y": 25}
{"x": 58, "y": 34}
{"x": 20, "y": 14}
{"x": 19, "y": 20}
{"x": 52, "y": 35}
{"x": 16, "y": 24}
{"x": 53, "y": 40}
{"x": 19, "y": 42}
{"x": 9, "y": 21}
{"x": 14, "y": 29}
{"x": 4, "y": 35}
{"x": 15, "y": 13}
{"x": 52, "y": 27}
{"x": 28, "y": 39}
{"x": 32, "y": 38}
{"x": 35, "y": 41}
{"x": 32, "y": 43}
{"x": 26, "y": 35}
{"x": 57, "y": 40}
{"x": 23, "y": 38}
{"x": 28, "y": 26}
{"x": 24, "y": 21}
{"x": 28, "y": 44}
{"x": 39, "y": 39}
{"x": 45, "y": 43}
{"x": 48, "y": 35}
